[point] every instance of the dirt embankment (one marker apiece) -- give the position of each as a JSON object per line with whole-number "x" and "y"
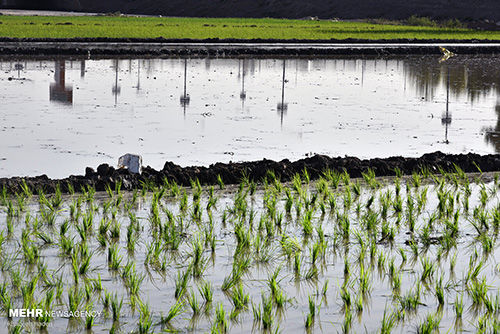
{"x": 345, "y": 9}
{"x": 160, "y": 47}
{"x": 233, "y": 173}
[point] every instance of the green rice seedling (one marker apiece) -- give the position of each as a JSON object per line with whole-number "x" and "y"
{"x": 473, "y": 270}
{"x": 397, "y": 205}
{"x": 30, "y": 252}
{"x": 370, "y": 178}
{"x": 388, "y": 322}
{"x": 134, "y": 282}
{"x": 116, "y": 307}
{"x": 6, "y": 299}
{"x": 324, "y": 290}
{"x": 428, "y": 269}
{"x": 97, "y": 283}
{"x": 239, "y": 298}
{"x": 346, "y": 325}
{"x": 430, "y": 324}
{"x": 347, "y": 199}
{"x": 381, "y": 260}
{"x": 396, "y": 281}
{"x": 483, "y": 196}
{"x": 174, "y": 311}
{"x": 305, "y": 175}
{"x": 439, "y": 291}
{"x": 220, "y": 182}
{"x": 104, "y": 226}
{"x": 489, "y": 305}
{"x": 114, "y": 258}
{"x": 416, "y": 180}
{"x": 193, "y": 303}
{"x": 221, "y": 322}
{"x": 145, "y": 321}
{"x": 360, "y": 303}
{"x": 317, "y": 250}
{"x": 411, "y": 300}
{"x": 477, "y": 290}
{"x": 356, "y": 188}
{"x": 206, "y": 291}
{"x": 75, "y": 298}
{"x": 267, "y": 312}
{"x": 309, "y": 321}
{"x": 4, "y": 196}
{"x": 347, "y": 267}
{"x": 364, "y": 280}
{"x": 334, "y": 177}
{"x": 90, "y": 317}
{"x": 345, "y": 295}
{"x": 297, "y": 264}
{"x": 181, "y": 282}
{"x": 234, "y": 277}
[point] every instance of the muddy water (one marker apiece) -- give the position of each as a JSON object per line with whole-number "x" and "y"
{"x": 58, "y": 116}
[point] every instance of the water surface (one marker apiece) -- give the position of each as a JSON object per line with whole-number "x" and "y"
{"x": 60, "y": 115}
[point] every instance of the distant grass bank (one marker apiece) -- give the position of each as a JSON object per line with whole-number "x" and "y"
{"x": 226, "y": 28}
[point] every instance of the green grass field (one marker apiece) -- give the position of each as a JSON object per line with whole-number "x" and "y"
{"x": 200, "y": 28}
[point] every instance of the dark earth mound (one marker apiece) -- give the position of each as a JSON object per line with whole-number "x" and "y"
{"x": 160, "y": 47}
{"x": 345, "y": 9}
{"x": 233, "y": 173}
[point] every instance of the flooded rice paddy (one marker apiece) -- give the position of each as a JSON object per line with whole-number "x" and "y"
{"x": 412, "y": 254}
{"x": 61, "y": 115}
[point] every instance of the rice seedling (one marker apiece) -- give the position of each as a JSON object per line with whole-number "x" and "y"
{"x": 114, "y": 259}
{"x": 145, "y": 321}
{"x": 430, "y": 324}
{"x": 411, "y": 300}
{"x": 439, "y": 292}
{"x": 388, "y": 322}
{"x": 206, "y": 291}
{"x": 267, "y": 316}
{"x": 346, "y": 325}
{"x": 221, "y": 322}
{"x": 345, "y": 295}
{"x": 193, "y": 303}
{"x": 181, "y": 283}
{"x": 116, "y": 307}
{"x": 239, "y": 298}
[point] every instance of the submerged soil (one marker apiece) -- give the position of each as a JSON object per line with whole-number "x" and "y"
{"x": 232, "y": 173}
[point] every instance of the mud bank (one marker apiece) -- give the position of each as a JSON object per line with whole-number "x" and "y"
{"x": 221, "y": 48}
{"x": 232, "y": 173}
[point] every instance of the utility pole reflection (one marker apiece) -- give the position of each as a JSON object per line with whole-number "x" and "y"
{"x": 185, "y": 98}
{"x": 283, "y": 106}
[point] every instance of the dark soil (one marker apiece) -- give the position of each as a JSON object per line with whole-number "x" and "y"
{"x": 225, "y": 47}
{"x": 232, "y": 173}
{"x": 345, "y": 9}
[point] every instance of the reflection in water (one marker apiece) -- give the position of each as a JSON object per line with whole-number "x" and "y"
{"x": 282, "y": 106}
{"x": 59, "y": 91}
{"x": 116, "y": 89}
{"x": 19, "y": 67}
{"x": 493, "y": 133}
{"x": 243, "y": 94}
{"x": 474, "y": 77}
{"x": 185, "y": 98}
{"x": 446, "y": 117}
{"x": 366, "y": 107}
{"x": 82, "y": 68}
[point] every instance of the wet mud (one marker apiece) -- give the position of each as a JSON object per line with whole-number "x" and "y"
{"x": 233, "y": 173}
{"x": 234, "y": 47}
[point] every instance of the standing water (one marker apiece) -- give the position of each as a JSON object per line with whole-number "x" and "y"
{"x": 61, "y": 115}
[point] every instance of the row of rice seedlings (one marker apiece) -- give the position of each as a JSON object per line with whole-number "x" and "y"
{"x": 306, "y": 203}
